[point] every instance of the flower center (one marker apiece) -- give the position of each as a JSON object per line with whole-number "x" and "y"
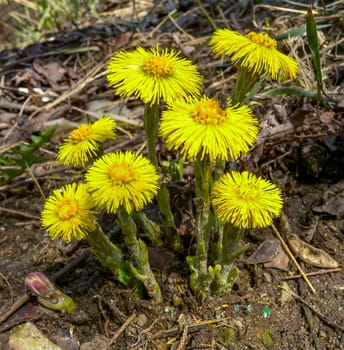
{"x": 262, "y": 39}
{"x": 209, "y": 112}
{"x": 66, "y": 208}
{"x": 81, "y": 133}
{"x": 248, "y": 193}
{"x": 158, "y": 66}
{"x": 122, "y": 172}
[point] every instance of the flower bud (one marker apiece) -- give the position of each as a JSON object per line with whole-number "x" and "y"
{"x": 39, "y": 285}
{"x": 47, "y": 294}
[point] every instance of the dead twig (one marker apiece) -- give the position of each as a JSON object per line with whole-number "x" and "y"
{"x": 19, "y": 213}
{"x": 34, "y": 179}
{"x": 182, "y": 341}
{"x": 14, "y": 105}
{"x": 315, "y": 273}
{"x": 291, "y": 256}
{"x": 308, "y": 313}
{"x": 72, "y": 264}
{"x": 120, "y": 331}
{"x": 191, "y": 329}
{"x": 14, "y": 307}
{"x": 105, "y": 316}
{"x": 9, "y": 286}
{"x": 283, "y": 9}
{"x": 318, "y": 313}
{"x": 87, "y": 79}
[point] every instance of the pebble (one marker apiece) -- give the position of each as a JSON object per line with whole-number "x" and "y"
{"x": 141, "y": 320}
{"x": 28, "y": 337}
{"x": 98, "y": 342}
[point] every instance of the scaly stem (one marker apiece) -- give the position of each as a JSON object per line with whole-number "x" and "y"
{"x": 231, "y": 239}
{"x": 216, "y": 241}
{"x": 216, "y": 244}
{"x": 107, "y": 252}
{"x": 226, "y": 272}
{"x": 172, "y": 234}
{"x": 243, "y": 85}
{"x": 150, "y": 228}
{"x": 151, "y": 126}
{"x": 203, "y": 171}
{"x": 139, "y": 253}
{"x": 202, "y": 279}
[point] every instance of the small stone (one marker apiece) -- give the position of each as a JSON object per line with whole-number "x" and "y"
{"x": 28, "y": 337}
{"x": 98, "y": 342}
{"x": 166, "y": 309}
{"x": 80, "y": 317}
{"x": 286, "y": 295}
{"x": 141, "y": 320}
{"x": 267, "y": 277}
{"x": 25, "y": 246}
{"x": 322, "y": 333}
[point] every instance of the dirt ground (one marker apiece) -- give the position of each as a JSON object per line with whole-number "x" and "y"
{"x": 300, "y": 148}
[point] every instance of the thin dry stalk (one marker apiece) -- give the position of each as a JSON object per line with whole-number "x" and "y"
{"x": 291, "y": 256}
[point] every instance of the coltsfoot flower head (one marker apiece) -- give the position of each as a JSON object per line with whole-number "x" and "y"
{"x": 84, "y": 142}
{"x": 202, "y": 127}
{"x": 256, "y": 52}
{"x": 152, "y": 75}
{"x": 68, "y": 213}
{"x": 122, "y": 179}
{"x": 245, "y": 200}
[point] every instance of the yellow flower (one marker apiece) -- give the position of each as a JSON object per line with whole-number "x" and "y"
{"x": 122, "y": 179}
{"x": 151, "y": 75}
{"x": 84, "y": 142}
{"x": 256, "y": 52}
{"x": 245, "y": 200}
{"x": 68, "y": 213}
{"x": 203, "y": 127}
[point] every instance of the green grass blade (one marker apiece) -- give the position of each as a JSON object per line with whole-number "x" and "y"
{"x": 297, "y": 32}
{"x": 289, "y": 91}
{"x": 254, "y": 89}
{"x": 297, "y": 92}
{"x": 312, "y": 36}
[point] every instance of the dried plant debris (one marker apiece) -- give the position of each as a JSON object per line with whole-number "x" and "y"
{"x": 311, "y": 255}
{"x": 271, "y": 254}
{"x": 333, "y": 201}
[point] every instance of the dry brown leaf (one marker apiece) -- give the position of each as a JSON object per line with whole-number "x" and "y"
{"x": 311, "y": 255}
{"x": 271, "y": 254}
{"x": 265, "y": 252}
{"x": 279, "y": 261}
{"x": 327, "y": 117}
{"x": 52, "y": 71}
{"x": 27, "y": 76}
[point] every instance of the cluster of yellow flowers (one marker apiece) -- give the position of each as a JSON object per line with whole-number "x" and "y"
{"x": 197, "y": 126}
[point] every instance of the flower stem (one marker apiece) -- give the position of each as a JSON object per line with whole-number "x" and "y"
{"x": 231, "y": 239}
{"x": 150, "y": 228}
{"x": 243, "y": 84}
{"x": 107, "y": 252}
{"x": 216, "y": 244}
{"x": 203, "y": 171}
{"x": 172, "y": 234}
{"x": 151, "y": 126}
{"x": 217, "y": 235}
{"x": 227, "y": 273}
{"x": 139, "y": 253}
